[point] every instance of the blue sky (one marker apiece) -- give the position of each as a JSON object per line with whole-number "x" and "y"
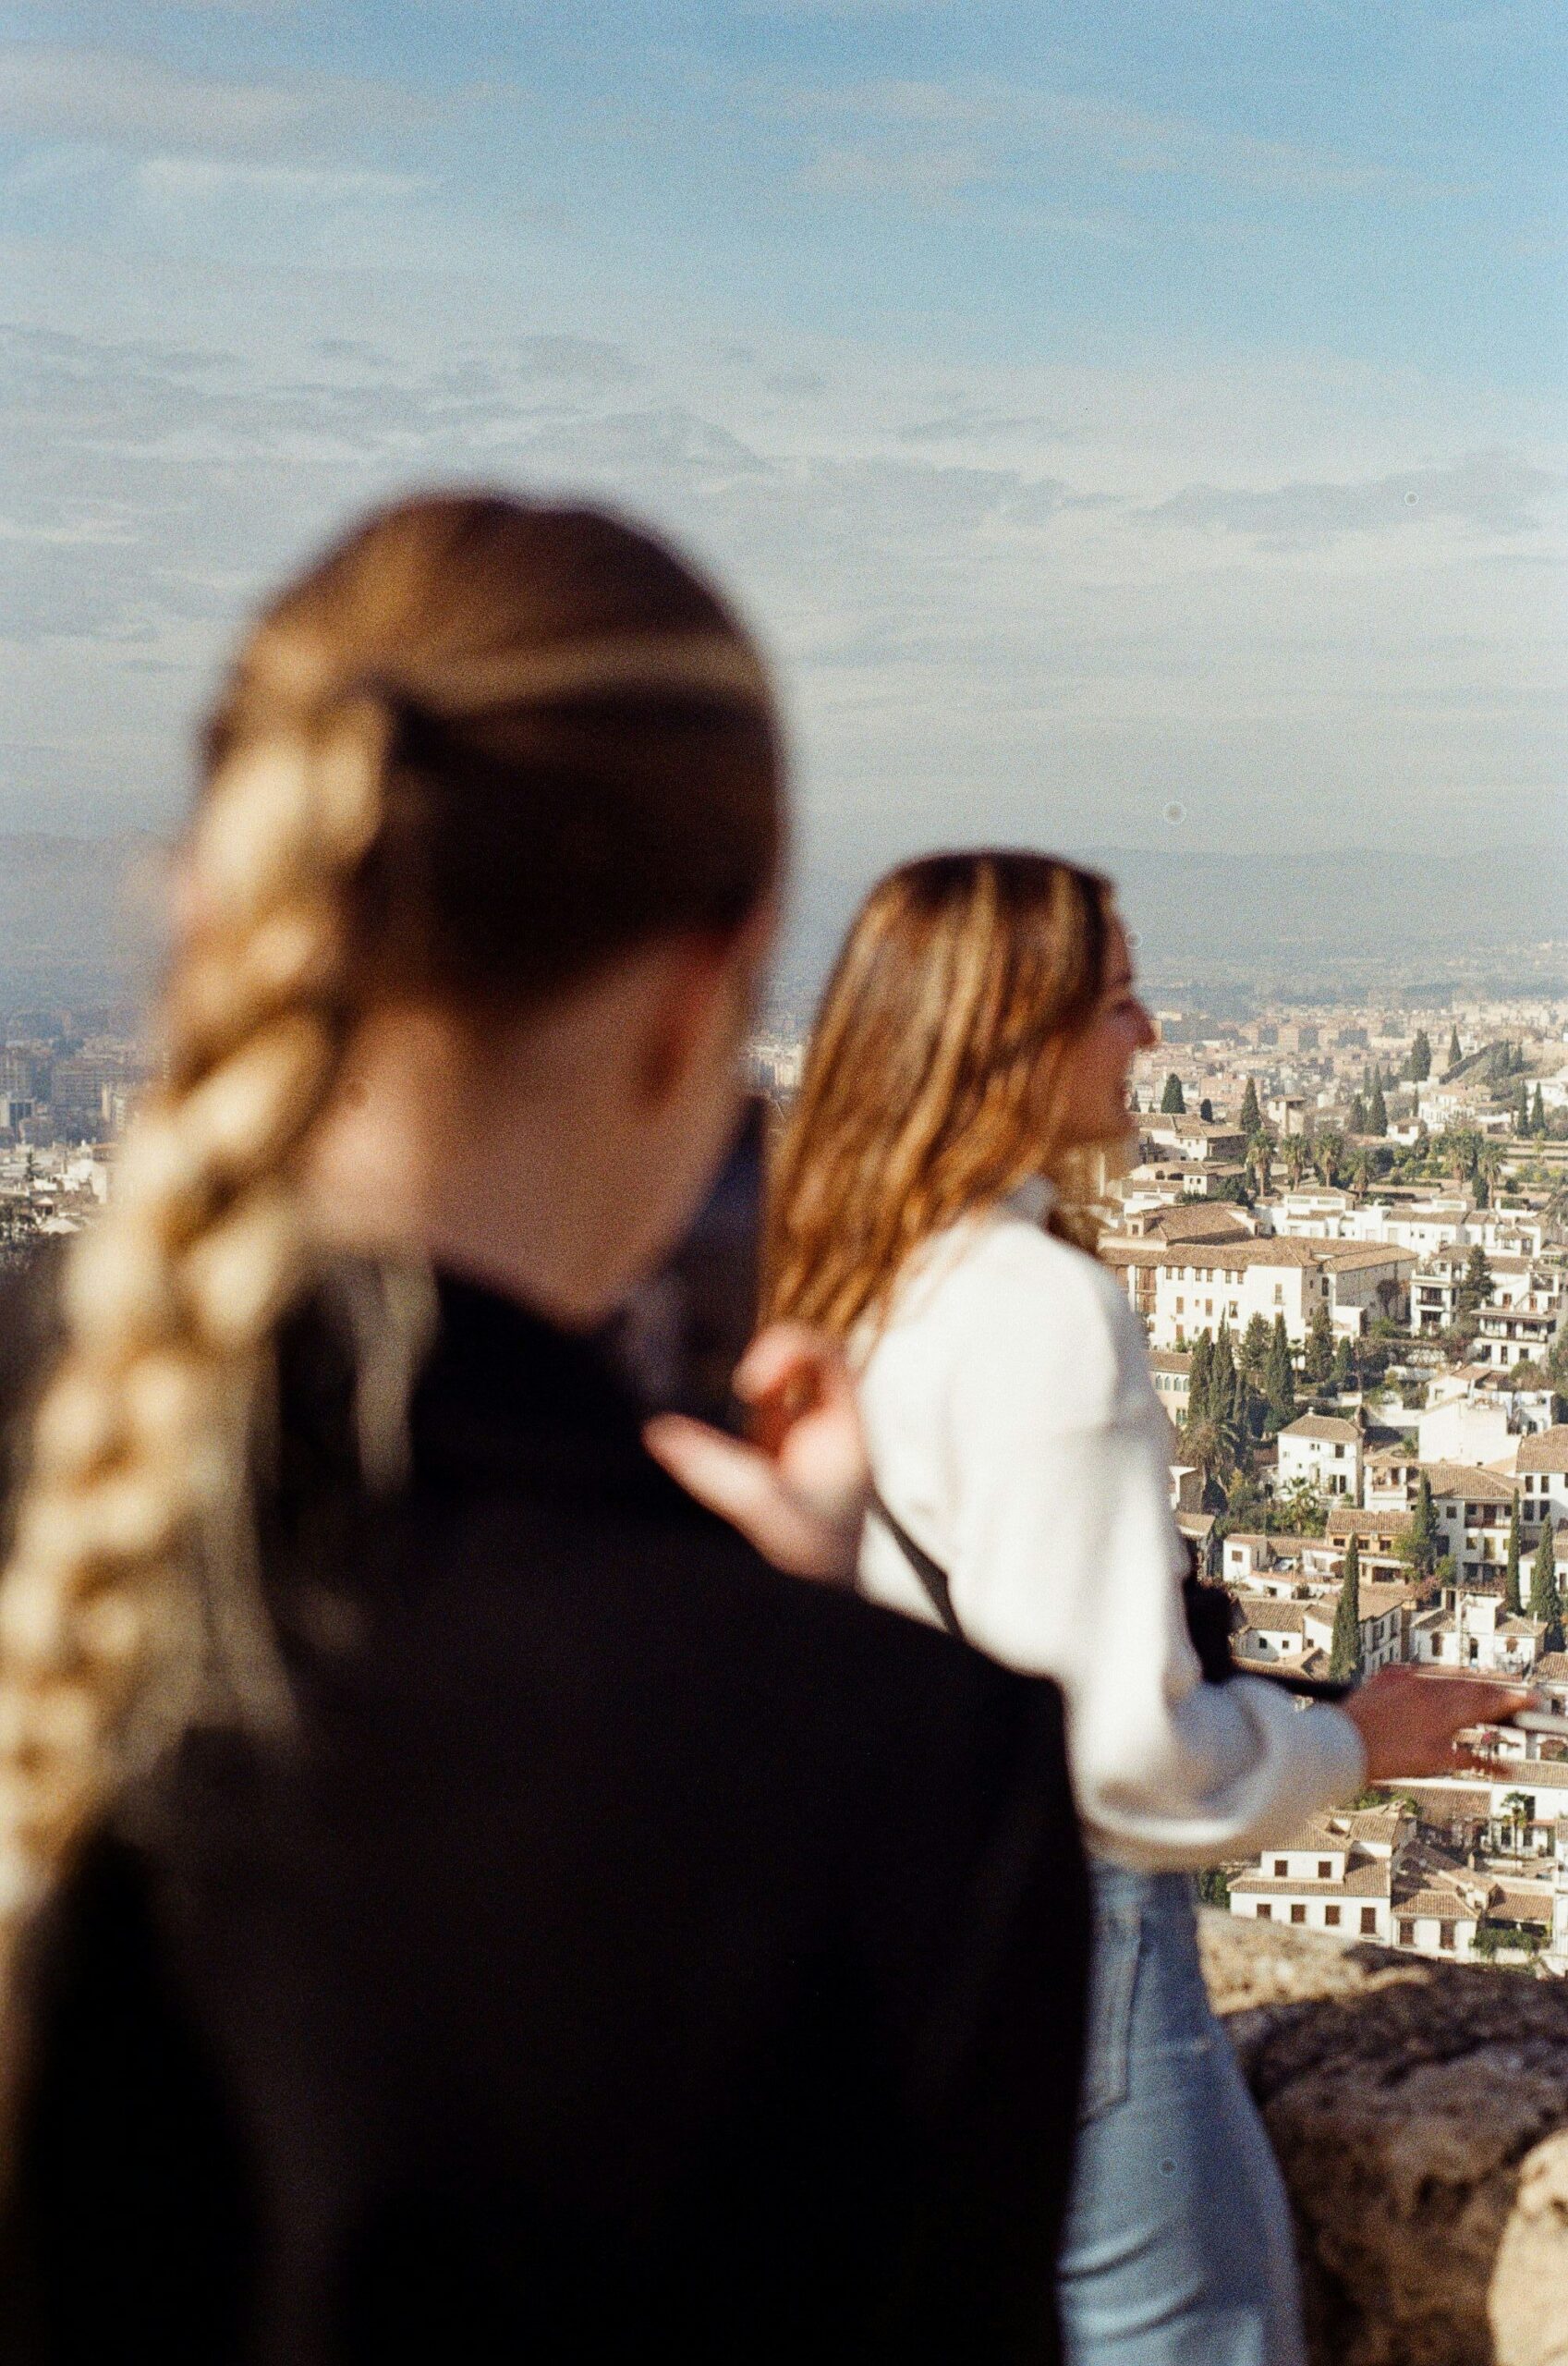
{"x": 1128, "y": 424}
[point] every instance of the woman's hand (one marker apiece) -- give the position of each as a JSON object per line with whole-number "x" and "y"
{"x": 1407, "y": 1719}
{"x": 798, "y": 1488}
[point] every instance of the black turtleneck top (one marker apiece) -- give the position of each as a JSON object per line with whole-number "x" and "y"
{"x": 632, "y": 1950}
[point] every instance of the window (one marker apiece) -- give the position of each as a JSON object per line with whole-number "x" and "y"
{"x": 1181, "y": 1306}
{"x": 1406, "y": 1931}
{"x": 1331, "y": 1918}
{"x": 1278, "y": 1293}
{"x": 1369, "y": 1922}
{"x": 1325, "y": 1870}
{"x": 1298, "y": 1914}
{"x": 1265, "y": 1912}
{"x": 1281, "y": 1868}
{"x": 1445, "y": 1937}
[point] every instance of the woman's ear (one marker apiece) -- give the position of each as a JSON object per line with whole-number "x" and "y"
{"x": 702, "y": 1004}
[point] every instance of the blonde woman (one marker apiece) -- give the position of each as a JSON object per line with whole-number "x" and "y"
{"x": 972, "y": 1051}
{"x": 459, "y": 1901}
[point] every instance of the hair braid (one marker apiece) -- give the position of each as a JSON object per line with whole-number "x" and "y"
{"x": 141, "y": 1435}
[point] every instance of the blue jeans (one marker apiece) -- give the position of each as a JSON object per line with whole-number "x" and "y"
{"x": 1177, "y": 2250}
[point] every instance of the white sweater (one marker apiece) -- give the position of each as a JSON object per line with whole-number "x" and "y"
{"x": 1016, "y": 1434}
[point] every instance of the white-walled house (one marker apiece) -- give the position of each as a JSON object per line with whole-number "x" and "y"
{"x": 1463, "y": 1429}
{"x": 1324, "y": 1451}
{"x": 1473, "y": 1633}
{"x": 1366, "y": 1873}
{"x": 1473, "y": 1509}
{"x": 1542, "y": 1465}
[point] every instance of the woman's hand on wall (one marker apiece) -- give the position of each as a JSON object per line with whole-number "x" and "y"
{"x": 798, "y": 1487}
{"x": 1409, "y": 1720}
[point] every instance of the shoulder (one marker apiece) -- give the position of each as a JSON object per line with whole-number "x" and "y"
{"x": 1014, "y": 1307}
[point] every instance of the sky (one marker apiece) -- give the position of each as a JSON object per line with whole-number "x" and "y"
{"x": 1126, "y": 425}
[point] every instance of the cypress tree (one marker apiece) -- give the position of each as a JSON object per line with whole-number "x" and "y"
{"x": 1344, "y": 1651}
{"x": 1206, "y": 1110}
{"x": 1538, "y": 1115}
{"x": 1477, "y": 1285}
{"x": 1425, "y": 1537}
{"x": 1546, "y": 1602}
{"x": 1253, "y": 1353}
{"x": 1279, "y": 1376}
{"x": 1198, "y": 1378}
{"x": 1454, "y": 1053}
{"x": 1172, "y": 1101}
{"x": 1377, "y": 1111}
{"x": 1251, "y": 1116}
{"x": 1222, "y": 1375}
{"x": 1522, "y": 1111}
{"x": 1420, "y": 1057}
{"x": 1320, "y": 1360}
{"x": 1358, "y": 1116}
{"x": 1510, "y": 1599}
{"x": 1345, "y": 1366}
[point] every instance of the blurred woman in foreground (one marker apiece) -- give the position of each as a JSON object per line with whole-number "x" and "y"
{"x": 520, "y": 1922}
{"x": 971, "y": 1056}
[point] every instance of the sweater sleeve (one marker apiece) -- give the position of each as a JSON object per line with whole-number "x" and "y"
{"x": 1068, "y": 1561}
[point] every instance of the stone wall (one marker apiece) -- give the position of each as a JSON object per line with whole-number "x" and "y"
{"x": 1420, "y": 2115}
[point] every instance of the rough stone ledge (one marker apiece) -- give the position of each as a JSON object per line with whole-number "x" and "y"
{"x": 1420, "y": 2115}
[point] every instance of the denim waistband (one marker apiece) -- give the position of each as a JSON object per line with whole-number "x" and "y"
{"x": 1152, "y": 1895}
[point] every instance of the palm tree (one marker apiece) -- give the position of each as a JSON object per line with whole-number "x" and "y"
{"x": 1295, "y": 1160}
{"x": 1361, "y": 1174}
{"x": 1328, "y": 1150}
{"x": 1515, "y": 1809}
{"x": 1259, "y": 1164}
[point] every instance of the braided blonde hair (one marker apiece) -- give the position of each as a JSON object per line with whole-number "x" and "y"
{"x": 428, "y": 773}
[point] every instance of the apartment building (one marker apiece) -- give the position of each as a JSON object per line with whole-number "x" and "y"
{"x": 1183, "y": 1288}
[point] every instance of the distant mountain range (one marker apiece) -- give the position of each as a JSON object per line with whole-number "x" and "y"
{"x": 80, "y": 922}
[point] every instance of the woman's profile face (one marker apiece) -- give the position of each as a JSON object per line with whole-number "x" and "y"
{"x": 1092, "y": 1104}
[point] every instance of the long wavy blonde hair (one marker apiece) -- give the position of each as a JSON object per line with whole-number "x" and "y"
{"x": 932, "y": 1074}
{"x": 480, "y": 748}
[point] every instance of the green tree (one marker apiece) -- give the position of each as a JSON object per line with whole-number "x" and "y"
{"x": 1425, "y": 1538}
{"x": 1537, "y": 1116}
{"x": 1522, "y": 1111}
{"x": 1454, "y": 1053}
{"x": 1345, "y": 1650}
{"x": 1173, "y": 1102}
{"x": 1253, "y": 1353}
{"x": 1345, "y": 1366}
{"x": 1510, "y": 1599}
{"x": 1222, "y": 1375}
{"x": 1251, "y": 1116}
{"x": 1357, "y": 1120}
{"x": 1477, "y": 1286}
{"x": 1378, "y": 1107}
{"x": 1420, "y": 1057}
{"x": 1206, "y": 1110}
{"x": 1279, "y": 1376}
{"x": 1546, "y": 1599}
{"x": 1197, "y": 1377}
{"x": 1319, "y": 1364}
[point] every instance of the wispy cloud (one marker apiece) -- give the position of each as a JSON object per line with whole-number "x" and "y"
{"x": 978, "y": 129}
{"x": 1486, "y": 493}
{"x": 119, "y": 98}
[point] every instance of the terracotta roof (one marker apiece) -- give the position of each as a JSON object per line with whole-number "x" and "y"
{"x": 1195, "y": 1222}
{"x": 1464, "y": 1480}
{"x": 1370, "y": 1878}
{"x": 1545, "y": 1449}
{"x": 1345, "y": 1520}
{"x": 1169, "y": 1359}
{"x": 1328, "y": 1426}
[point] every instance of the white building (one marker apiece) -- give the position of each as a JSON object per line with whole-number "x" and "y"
{"x": 1323, "y": 1451}
{"x": 1542, "y": 1465}
{"x": 1183, "y": 1288}
{"x": 1463, "y": 1429}
{"x": 1472, "y": 1633}
{"x": 1365, "y": 1873}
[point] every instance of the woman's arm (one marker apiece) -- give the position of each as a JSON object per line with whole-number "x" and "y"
{"x": 1066, "y": 1559}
